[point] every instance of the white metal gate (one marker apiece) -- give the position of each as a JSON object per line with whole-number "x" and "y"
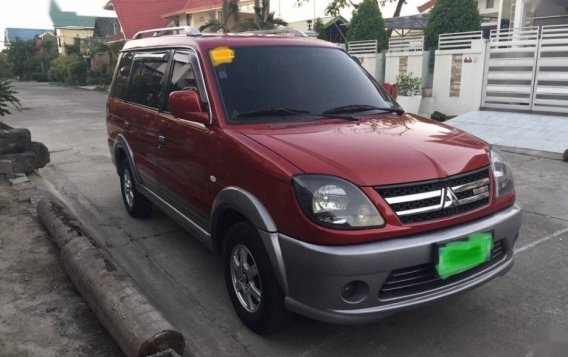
{"x": 527, "y": 69}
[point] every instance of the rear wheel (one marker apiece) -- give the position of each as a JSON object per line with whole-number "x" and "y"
{"x": 251, "y": 282}
{"x": 135, "y": 203}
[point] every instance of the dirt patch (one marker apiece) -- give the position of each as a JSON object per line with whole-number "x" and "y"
{"x": 41, "y": 313}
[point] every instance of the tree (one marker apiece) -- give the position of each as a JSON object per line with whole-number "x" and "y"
{"x": 449, "y": 16}
{"x": 319, "y": 28}
{"x": 229, "y": 9}
{"x": 264, "y": 19}
{"x": 5, "y": 66}
{"x": 367, "y": 24}
{"x": 7, "y": 96}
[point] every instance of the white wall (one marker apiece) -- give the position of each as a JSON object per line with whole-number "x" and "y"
{"x": 374, "y": 64}
{"x": 415, "y": 65}
{"x": 471, "y": 80}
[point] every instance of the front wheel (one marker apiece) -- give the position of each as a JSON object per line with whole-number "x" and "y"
{"x": 251, "y": 283}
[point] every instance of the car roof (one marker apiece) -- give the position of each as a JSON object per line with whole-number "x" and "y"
{"x": 206, "y": 41}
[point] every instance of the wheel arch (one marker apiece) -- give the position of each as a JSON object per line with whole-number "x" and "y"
{"x": 234, "y": 204}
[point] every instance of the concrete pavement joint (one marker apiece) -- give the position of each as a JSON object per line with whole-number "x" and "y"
{"x": 545, "y": 215}
{"x": 540, "y": 241}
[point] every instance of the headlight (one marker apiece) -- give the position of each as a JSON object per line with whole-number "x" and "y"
{"x": 335, "y": 203}
{"x": 504, "y": 183}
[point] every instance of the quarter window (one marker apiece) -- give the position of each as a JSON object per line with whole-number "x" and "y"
{"x": 183, "y": 75}
{"x": 121, "y": 81}
{"x": 147, "y": 81}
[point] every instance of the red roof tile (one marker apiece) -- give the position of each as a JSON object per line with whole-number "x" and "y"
{"x": 137, "y": 15}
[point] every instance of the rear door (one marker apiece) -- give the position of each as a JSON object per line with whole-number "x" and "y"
{"x": 183, "y": 156}
{"x": 147, "y": 82}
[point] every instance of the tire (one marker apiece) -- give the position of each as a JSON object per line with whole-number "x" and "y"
{"x": 267, "y": 314}
{"x": 135, "y": 203}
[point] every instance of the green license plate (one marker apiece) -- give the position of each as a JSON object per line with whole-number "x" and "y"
{"x": 457, "y": 257}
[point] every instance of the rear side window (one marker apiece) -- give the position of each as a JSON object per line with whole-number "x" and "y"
{"x": 147, "y": 81}
{"x": 120, "y": 84}
{"x": 183, "y": 75}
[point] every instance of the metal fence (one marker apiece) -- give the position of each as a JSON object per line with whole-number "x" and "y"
{"x": 527, "y": 69}
{"x": 459, "y": 41}
{"x": 362, "y": 47}
{"x": 406, "y": 44}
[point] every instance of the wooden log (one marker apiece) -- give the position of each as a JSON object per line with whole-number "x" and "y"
{"x": 13, "y": 141}
{"x": 22, "y": 162}
{"x": 135, "y": 324}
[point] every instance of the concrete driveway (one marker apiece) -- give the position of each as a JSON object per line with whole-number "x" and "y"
{"x": 517, "y": 315}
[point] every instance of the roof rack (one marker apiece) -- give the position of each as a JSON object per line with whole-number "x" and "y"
{"x": 187, "y": 30}
{"x": 295, "y": 33}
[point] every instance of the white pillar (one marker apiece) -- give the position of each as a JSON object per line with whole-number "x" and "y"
{"x": 520, "y": 13}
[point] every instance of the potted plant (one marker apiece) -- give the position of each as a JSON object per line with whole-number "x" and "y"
{"x": 409, "y": 88}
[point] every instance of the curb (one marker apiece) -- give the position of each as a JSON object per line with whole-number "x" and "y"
{"x": 127, "y": 314}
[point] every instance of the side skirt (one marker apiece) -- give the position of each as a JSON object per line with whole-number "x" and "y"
{"x": 202, "y": 234}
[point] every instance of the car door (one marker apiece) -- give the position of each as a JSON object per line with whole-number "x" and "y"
{"x": 147, "y": 82}
{"x": 183, "y": 155}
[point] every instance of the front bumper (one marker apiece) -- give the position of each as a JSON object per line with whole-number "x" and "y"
{"x": 313, "y": 276}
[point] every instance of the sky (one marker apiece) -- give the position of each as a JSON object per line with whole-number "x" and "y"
{"x": 35, "y": 13}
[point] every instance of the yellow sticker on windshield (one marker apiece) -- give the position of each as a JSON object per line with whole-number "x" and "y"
{"x": 222, "y": 55}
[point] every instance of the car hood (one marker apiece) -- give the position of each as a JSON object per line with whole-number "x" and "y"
{"x": 380, "y": 151}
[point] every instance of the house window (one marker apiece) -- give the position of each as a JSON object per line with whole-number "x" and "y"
{"x": 115, "y": 28}
{"x": 489, "y": 4}
{"x": 188, "y": 19}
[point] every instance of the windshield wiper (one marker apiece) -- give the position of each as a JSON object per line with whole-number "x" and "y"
{"x": 290, "y": 112}
{"x": 272, "y": 111}
{"x": 356, "y": 108}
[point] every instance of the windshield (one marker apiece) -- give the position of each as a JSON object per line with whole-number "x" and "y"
{"x": 275, "y": 83}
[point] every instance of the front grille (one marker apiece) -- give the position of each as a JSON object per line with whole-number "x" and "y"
{"x": 428, "y": 200}
{"x": 421, "y": 279}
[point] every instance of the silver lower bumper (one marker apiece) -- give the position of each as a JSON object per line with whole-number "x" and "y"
{"x": 312, "y": 276}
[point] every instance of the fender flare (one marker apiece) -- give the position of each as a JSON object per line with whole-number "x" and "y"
{"x": 246, "y": 204}
{"x": 249, "y": 206}
{"x": 120, "y": 143}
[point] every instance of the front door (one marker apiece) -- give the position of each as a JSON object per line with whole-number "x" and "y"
{"x": 183, "y": 153}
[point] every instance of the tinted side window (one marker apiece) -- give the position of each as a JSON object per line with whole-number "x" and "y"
{"x": 147, "y": 79}
{"x": 183, "y": 75}
{"x": 120, "y": 84}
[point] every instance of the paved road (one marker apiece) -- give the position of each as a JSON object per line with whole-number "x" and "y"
{"x": 511, "y": 316}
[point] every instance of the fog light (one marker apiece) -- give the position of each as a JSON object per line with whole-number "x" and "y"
{"x": 355, "y": 291}
{"x": 348, "y": 290}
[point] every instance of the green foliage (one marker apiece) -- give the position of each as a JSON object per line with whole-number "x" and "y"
{"x": 28, "y": 60}
{"x": 98, "y": 78}
{"x": 449, "y": 16}
{"x": 408, "y": 84}
{"x": 7, "y": 96}
{"x": 229, "y": 9}
{"x": 5, "y": 66}
{"x": 367, "y": 24}
{"x": 70, "y": 69}
{"x": 319, "y": 28}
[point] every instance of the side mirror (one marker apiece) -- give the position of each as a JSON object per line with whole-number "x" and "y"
{"x": 187, "y": 105}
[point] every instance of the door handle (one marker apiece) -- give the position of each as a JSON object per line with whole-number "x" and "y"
{"x": 126, "y": 125}
{"x": 161, "y": 141}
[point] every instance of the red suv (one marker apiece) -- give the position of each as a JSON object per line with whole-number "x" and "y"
{"x": 282, "y": 154}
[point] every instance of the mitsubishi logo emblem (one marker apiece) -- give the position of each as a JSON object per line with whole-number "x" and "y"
{"x": 450, "y": 198}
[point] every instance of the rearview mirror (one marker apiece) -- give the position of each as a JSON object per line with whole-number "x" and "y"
{"x": 187, "y": 105}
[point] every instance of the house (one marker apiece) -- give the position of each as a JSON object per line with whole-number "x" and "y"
{"x": 12, "y": 34}
{"x": 69, "y": 27}
{"x": 134, "y": 16}
{"x": 197, "y": 13}
{"x": 334, "y": 28}
{"x": 516, "y": 13}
